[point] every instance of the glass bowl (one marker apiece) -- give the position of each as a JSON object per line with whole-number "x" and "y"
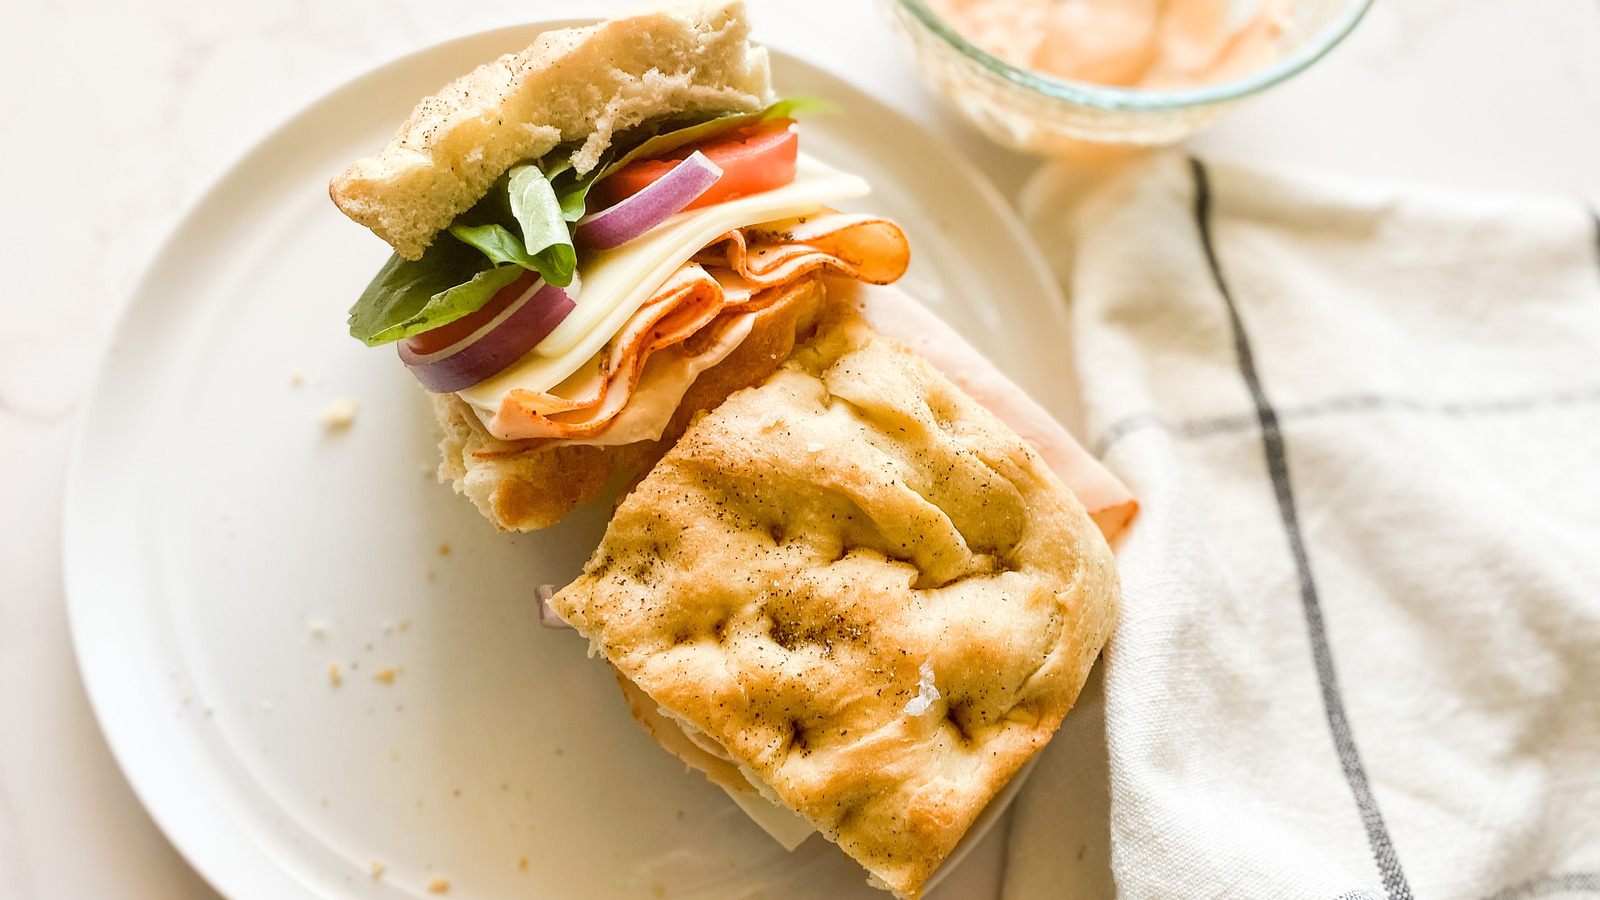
{"x": 1034, "y": 112}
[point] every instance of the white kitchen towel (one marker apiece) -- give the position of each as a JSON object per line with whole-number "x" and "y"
{"x": 1359, "y": 651}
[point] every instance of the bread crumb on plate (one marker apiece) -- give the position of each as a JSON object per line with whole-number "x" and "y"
{"x": 337, "y": 415}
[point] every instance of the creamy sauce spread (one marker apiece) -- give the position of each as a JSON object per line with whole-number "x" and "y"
{"x": 1125, "y": 43}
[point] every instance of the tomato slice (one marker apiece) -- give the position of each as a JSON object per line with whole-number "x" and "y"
{"x": 753, "y": 159}
{"x": 436, "y": 339}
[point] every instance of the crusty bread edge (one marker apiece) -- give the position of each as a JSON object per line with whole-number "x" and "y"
{"x": 571, "y": 85}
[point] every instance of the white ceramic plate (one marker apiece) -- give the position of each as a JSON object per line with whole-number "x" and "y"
{"x": 224, "y": 549}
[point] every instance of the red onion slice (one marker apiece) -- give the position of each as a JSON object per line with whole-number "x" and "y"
{"x": 663, "y": 198}
{"x": 500, "y": 342}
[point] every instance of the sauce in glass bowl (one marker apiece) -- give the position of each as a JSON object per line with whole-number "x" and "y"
{"x": 1130, "y": 73}
{"x": 1128, "y": 43}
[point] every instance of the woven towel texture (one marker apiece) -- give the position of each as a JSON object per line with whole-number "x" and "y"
{"x": 1359, "y": 654}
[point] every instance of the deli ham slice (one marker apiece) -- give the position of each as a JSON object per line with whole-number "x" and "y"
{"x": 695, "y": 311}
{"x": 863, "y": 248}
{"x": 630, "y": 390}
{"x": 1109, "y": 502}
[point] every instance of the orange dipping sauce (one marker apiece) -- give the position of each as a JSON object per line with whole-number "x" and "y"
{"x": 1127, "y": 43}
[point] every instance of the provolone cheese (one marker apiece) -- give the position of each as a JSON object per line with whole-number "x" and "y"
{"x": 786, "y": 826}
{"x": 783, "y": 824}
{"x": 616, "y": 282}
{"x": 745, "y": 270}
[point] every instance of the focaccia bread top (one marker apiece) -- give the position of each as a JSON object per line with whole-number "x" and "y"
{"x": 781, "y": 576}
{"x": 580, "y": 84}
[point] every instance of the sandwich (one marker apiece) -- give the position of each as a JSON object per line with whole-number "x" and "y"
{"x": 855, "y": 577}
{"x": 581, "y": 231}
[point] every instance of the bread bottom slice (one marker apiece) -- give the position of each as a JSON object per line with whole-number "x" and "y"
{"x": 528, "y": 485}
{"x": 698, "y": 752}
{"x": 863, "y": 587}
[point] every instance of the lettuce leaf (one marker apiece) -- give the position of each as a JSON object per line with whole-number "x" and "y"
{"x": 409, "y": 297}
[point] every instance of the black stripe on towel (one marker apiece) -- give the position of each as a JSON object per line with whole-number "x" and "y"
{"x": 1394, "y": 880}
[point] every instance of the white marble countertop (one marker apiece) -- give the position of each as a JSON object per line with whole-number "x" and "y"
{"x": 117, "y": 116}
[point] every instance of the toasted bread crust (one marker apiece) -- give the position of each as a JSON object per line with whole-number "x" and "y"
{"x": 792, "y": 567}
{"x": 581, "y": 84}
{"x": 519, "y": 487}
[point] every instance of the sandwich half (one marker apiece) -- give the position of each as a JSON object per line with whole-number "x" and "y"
{"x": 857, "y": 594}
{"x": 857, "y": 577}
{"x": 563, "y": 353}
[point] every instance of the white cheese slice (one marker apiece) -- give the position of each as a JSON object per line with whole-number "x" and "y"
{"x": 786, "y": 826}
{"x": 783, "y": 824}
{"x": 618, "y": 281}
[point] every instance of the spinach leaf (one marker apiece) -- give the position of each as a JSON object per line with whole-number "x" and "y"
{"x": 542, "y": 218}
{"x": 409, "y": 297}
{"x": 520, "y": 225}
{"x": 569, "y": 189}
{"x": 668, "y": 141}
{"x": 496, "y": 242}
